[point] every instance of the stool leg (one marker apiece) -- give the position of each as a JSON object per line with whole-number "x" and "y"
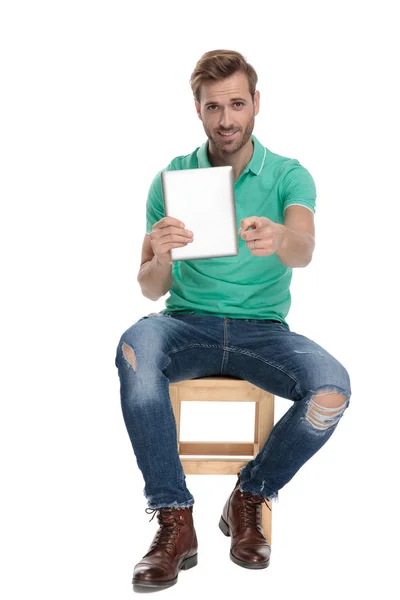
{"x": 176, "y": 407}
{"x": 264, "y": 422}
{"x": 267, "y": 522}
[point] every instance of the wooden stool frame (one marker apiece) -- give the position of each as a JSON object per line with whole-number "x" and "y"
{"x": 224, "y": 389}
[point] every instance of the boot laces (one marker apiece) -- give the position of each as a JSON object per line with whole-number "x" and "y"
{"x": 249, "y": 512}
{"x": 170, "y": 525}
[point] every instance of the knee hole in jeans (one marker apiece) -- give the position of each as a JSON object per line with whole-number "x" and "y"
{"x": 327, "y": 413}
{"x": 129, "y": 355}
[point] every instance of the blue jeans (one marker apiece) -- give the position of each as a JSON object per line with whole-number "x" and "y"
{"x": 160, "y": 349}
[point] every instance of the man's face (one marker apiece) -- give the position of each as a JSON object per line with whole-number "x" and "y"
{"x": 226, "y": 106}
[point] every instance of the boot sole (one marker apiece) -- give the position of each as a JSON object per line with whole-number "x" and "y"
{"x": 186, "y": 564}
{"x": 224, "y": 527}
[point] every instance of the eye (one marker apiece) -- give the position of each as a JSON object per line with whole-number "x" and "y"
{"x": 215, "y": 105}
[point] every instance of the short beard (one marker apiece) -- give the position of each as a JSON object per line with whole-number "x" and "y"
{"x": 246, "y": 136}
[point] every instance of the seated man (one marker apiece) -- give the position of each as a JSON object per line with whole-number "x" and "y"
{"x": 226, "y": 316}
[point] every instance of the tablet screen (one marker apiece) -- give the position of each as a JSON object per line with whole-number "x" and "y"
{"x": 204, "y": 200}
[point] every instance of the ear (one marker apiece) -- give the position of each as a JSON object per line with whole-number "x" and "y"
{"x": 256, "y": 102}
{"x": 197, "y": 105}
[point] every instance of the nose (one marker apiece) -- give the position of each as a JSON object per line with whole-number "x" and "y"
{"x": 226, "y": 119}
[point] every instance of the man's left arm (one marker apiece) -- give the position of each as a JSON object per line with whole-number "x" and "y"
{"x": 293, "y": 242}
{"x": 297, "y": 237}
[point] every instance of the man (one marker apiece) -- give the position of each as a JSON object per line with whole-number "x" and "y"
{"x": 226, "y": 316}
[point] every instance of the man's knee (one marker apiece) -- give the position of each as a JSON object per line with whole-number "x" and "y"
{"x": 325, "y": 409}
{"x": 129, "y": 355}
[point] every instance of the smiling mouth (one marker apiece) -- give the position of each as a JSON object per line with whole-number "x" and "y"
{"x": 227, "y": 135}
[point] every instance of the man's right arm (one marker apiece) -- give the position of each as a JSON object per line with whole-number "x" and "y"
{"x": 155, "y": 279}
{"x": 155, "y": 273}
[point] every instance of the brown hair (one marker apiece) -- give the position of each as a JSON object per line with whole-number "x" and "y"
{"x": 219, "y": 64}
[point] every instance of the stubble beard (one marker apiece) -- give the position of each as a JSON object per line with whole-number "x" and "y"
{"x": 228, "y": 149}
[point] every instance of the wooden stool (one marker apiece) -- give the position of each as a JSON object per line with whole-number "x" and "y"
{"x": 224, "y": 389}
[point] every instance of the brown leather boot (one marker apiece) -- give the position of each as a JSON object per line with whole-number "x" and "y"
{"x": 174, "y": 547}
{"x": 242, "y": 520}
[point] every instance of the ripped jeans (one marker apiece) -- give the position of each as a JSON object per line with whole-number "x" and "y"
{"x": 160, "y": 349}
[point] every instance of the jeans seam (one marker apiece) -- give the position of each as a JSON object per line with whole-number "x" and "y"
{"x": 238, "y": 351}
{"x": 264, "y": 450}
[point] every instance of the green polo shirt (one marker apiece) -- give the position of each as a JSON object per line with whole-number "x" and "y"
{"x": 243, "y": 286}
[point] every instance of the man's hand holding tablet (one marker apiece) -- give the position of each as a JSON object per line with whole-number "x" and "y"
{"x": 166, "y": 234}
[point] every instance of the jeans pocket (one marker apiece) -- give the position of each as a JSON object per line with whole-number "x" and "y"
{"x": 270, "y": 321}
{"x": 153, "y": 314}
{"x": 180, "y": 315}
{"x": 259, "y": 321}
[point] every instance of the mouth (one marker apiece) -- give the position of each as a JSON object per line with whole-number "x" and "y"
{"x": 227, "y": 136}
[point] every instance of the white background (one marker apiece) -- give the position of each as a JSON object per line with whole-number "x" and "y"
{"x": 95, "y": 99}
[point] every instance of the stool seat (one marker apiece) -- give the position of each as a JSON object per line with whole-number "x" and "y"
{"x": 223, "y": 458}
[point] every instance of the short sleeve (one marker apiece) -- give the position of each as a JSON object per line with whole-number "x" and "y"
{"x": 298, "y": 187}
{"x": 155, "y": 203}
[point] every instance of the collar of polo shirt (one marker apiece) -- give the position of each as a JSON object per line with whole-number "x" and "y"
{"x": 255, "y": 164}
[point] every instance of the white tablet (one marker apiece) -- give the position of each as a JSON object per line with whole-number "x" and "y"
{"x": 204, "y": 200}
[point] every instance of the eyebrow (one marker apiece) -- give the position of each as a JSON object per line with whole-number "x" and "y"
{"x": 232, "y": 100}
